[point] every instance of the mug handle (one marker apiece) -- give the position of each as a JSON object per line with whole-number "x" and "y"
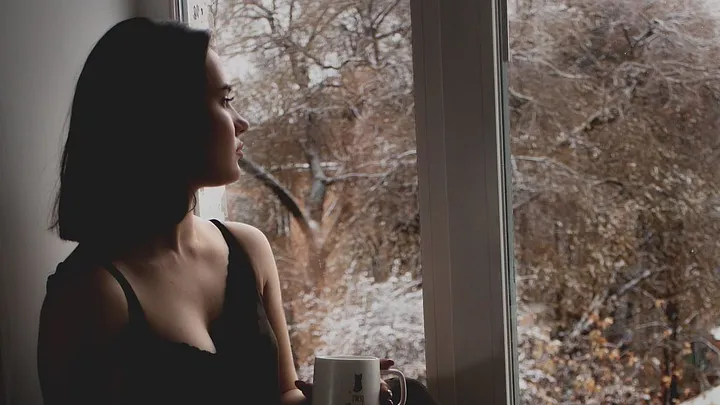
{"x": 403, "y": 384}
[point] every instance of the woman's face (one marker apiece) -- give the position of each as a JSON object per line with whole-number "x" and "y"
{"x": 225, "y": 147}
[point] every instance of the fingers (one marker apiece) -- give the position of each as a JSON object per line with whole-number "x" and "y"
{"x": 386, "y": 364}
{"x": 305, "y": 388}
{"x": 385, "y": 394}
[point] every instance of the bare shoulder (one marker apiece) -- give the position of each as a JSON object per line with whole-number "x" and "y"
{"x": 80, "y": 292}
{"x": 260, "y": 252}
{"x": 248, "y": 235}
{"x": 258, "y": 248}
{"x": 83, "y": 310}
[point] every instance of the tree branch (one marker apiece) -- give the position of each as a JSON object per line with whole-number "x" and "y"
{"x": 281, "y": 192}
{"x": 601, "y": 300}
{"x": 351, "y": 176}
{"x": 316, "y": 196}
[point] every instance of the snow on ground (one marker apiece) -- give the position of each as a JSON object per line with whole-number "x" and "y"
{"x": 709, "y": 397}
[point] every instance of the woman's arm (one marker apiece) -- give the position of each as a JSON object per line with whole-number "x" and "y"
{"x": 80, "y": 317}
{"x": 263, "y": 260}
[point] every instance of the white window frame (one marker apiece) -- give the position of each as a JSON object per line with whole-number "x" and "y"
{"x": 460, "y": 63}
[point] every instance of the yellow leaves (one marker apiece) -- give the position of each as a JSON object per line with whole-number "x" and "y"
{"x": 667, "y": 380}
{"x": 549, "y": 367}
{"x": 538, "y": 352}
{"x": 587, "y": 384}
{"x": 553, "y": 348}
{"x": 602, "y": 353}
{"x": 596, "y": 337}
{"x": 590, "y": 385}
{"x": 687, "y": 392}
{"x": 605, "y": 323}
{"x": 687, "y": 349}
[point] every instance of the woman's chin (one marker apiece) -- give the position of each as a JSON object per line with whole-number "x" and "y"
{"x": 224, "y": 179}
{"x": 234, "y": 175}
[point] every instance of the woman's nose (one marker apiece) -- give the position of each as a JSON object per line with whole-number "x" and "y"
{"x": 241, "y": 124}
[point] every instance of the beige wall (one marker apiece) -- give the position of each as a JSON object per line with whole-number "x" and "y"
{"x": 43, "y": 44}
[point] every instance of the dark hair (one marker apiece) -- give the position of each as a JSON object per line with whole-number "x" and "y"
{"x": 138, "y": 124}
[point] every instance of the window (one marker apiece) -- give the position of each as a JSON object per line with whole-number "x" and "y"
{"x": 460, "y": 187}
{"x": 601, "y": 116}
{"x": 613, "y": 116}
{"x": 330, "y": 167}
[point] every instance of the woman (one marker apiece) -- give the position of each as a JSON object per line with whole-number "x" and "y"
{"x": 156, "y": 305}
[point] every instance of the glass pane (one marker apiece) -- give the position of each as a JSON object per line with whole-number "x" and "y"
{"x": 330, "y": 167}
{"x": 614, "y": 118}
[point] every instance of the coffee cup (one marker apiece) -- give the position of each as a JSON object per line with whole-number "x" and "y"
{"x": 351, "y": 380}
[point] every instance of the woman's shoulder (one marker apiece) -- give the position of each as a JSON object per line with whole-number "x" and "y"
{"x": 252, "y": 239}
{"x": 82, "y": 291}
{"x": 82, "y": 272}
{"x": 258, "y": 249}
{"x": 83, "y": 313}
{"x": 245, "y": 232}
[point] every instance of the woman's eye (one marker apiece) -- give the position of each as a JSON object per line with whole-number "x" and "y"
{"x": 227, "y": 101}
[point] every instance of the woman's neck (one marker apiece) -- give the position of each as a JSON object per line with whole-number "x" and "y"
{"x": 178, "y": 240}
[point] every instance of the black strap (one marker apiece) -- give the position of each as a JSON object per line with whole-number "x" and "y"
{"x": 236, "y": 251}
{"x": 230, "y": 239}
{"x": 135, "y": 311}
{"x": 243, "y": 298}
{"x": 238, "y": 255}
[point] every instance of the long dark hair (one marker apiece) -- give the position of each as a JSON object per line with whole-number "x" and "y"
{"x": 138, "y": 126}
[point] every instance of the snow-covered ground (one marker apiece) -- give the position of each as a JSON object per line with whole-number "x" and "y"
{"x": 709, "y": 397}
{"x": 714, "y": 6}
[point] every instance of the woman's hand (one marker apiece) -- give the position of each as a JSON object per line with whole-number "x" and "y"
{"x": 385, "y": 393}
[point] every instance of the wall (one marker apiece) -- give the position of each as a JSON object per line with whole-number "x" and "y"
{"x": 43, "y": 44}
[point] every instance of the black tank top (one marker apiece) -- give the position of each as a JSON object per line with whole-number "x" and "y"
{"x": 244, "y": 368}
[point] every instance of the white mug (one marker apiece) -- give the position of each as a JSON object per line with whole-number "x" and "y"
{"x": 351, "y": 380}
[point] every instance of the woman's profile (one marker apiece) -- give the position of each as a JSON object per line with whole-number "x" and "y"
{"x": 156, "y": 305}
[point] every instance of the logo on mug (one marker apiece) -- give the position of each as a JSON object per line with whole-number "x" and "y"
{"x": 358, "y": 383}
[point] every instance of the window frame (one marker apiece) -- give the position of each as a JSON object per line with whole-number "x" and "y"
{"x": 460, "y": 62}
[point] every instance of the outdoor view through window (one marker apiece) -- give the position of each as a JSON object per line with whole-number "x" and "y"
{"x": 331, "y": 166}
{"x": 614, "y": 116}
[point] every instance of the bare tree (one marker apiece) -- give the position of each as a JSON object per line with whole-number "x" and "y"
{"x": 332, "y": 141}
{"x": 613, "y": 109}
{"x": 615, "y": 156}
